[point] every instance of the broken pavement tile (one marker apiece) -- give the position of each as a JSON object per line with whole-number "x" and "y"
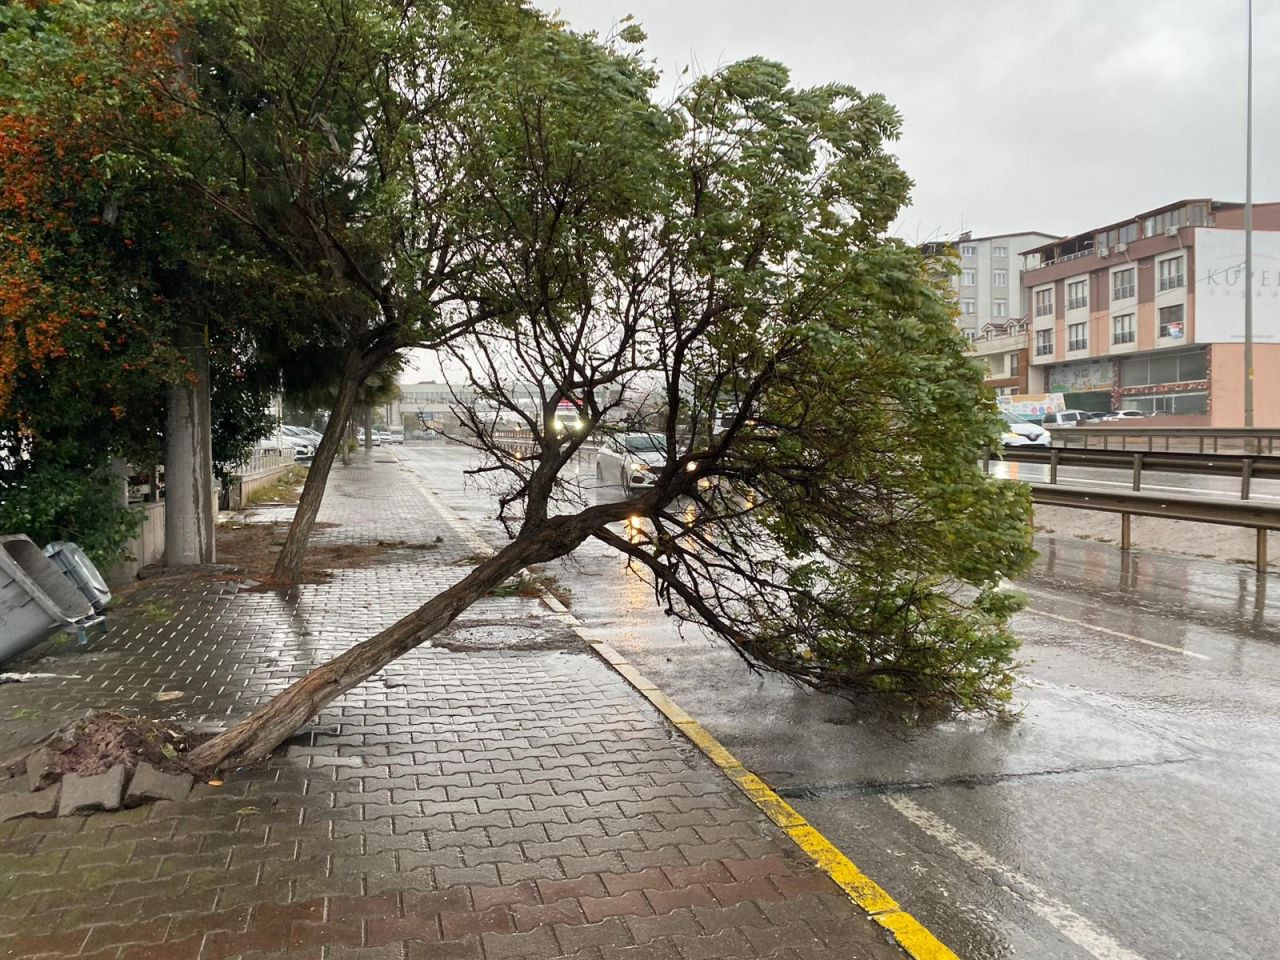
{"x": 148, "y": 783}
{"x": 39, "y": 804}
{"x": 102, "y": 791}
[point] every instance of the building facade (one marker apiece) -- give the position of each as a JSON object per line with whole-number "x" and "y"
{"x": 1002, "y": 349}
{"x": 1147, "y": 314}
{"x": 989, "y": 287}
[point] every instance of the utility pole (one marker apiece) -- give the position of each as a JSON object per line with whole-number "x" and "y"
{"x": 1248, "y": 227}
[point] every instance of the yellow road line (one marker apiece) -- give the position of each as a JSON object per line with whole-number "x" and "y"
{"x": 910, "y": 934}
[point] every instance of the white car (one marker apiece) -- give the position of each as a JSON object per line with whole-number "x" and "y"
{"x": 1021, "y": 432}
{"x": 632, "y": 459}
{"x": 1126, "y": 415}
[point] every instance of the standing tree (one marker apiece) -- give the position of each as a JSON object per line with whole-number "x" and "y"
{"x": 723, "y": 261}
{"x": 328, "y": 143}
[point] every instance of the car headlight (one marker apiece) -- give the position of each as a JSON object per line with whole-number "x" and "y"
{"x": 641, "y": 467}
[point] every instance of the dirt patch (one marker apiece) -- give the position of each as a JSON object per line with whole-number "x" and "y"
{"x": 484, "y": 636}
{"x": 106, "y": 740}
{"x": 254, "y": 547}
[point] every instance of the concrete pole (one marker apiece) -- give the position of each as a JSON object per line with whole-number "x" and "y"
{"x": 188, "y": 458}
{"x": 1248, "y": 228}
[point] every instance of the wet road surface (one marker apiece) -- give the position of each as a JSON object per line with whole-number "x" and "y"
{"x": 1131, "y": 812}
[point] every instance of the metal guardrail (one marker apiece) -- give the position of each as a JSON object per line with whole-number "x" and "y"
{"x": 1246, "y": 467}
{"x": 1258, "y": 517}
{"x": 1256, "y": 439}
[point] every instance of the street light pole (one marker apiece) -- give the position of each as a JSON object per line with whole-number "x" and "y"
{"x": 1248, "y": 228}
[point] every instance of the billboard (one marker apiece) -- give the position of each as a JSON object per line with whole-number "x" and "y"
{"x": 1082, "y": 377}
{"x": 1031, "y": 404}
{"x": 1220, "y": 290}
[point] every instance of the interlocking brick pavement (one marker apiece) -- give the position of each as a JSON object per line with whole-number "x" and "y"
{"x": 471, "y": 802}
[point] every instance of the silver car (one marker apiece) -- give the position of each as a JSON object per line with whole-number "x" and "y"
{"x": 631, "y": 459}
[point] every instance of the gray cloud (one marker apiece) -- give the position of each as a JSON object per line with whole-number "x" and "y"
{"x": 1017, "y": 114}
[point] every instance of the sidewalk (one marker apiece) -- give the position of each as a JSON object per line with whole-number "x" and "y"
{"x": 503, "y": 794}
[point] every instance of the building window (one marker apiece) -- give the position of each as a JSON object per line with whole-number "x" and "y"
{"x": 1164, "y": 366}
{"x": 1078, "y": 336}
{"x": 967, "y": 307}
{"x": 1044, "y": 303}
{"x": 969, "y": 278}
{"x": 968, "y": 250}
{"x": 1109, "y": 238}
{"x": 999, "y": 308}
{"x": 1044, "y": 342}
{"x": 1171, "y": 322}
{"x": 1077, "y": 294}
{"x": 1013, "y": 364}
{"x": 1183, "y": 403}
{"x": 1122, "y": 284}
{"x": 999, "y": 278}
{"x": 970, "y": 335}
{"x": 1171, "y": 274}
{"x": 999, "y": 251}
{"x": 1122, "y": 330}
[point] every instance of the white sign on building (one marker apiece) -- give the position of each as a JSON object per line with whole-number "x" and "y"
{"x": 1219, "y": 286}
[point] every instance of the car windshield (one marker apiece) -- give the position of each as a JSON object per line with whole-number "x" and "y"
{"x": 645, "y": 443}
{"x": 1011, "y": 418}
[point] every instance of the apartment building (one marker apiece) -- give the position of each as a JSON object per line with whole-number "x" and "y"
{"x": 988, "y": 288}
{"x": 1147, "y": 314}
{"x": 1001, "y": 346}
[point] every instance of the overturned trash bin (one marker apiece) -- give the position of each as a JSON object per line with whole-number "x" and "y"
{"x": 79, "y": 569}
{"x": 36, "y": 598}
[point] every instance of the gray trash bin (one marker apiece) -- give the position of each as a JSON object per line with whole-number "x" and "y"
{"x": 35, "y": 598}
{"x": 79, "y": 569}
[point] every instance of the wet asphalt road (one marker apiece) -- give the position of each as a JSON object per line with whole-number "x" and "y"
{"x": 1132, "y": 812}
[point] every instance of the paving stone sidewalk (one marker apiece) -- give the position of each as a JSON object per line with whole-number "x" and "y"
{"x": 501, "y": 795}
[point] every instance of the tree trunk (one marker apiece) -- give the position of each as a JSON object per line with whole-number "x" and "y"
{"x": 253, "y": 739}
{"x": 188, "y": 458}
{"x": 289, "y": 563}
{"x": 368, "y": 429}
{"x": 348, "y": 439}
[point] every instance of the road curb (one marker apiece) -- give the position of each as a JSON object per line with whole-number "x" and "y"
{"x": 911, "y": 935}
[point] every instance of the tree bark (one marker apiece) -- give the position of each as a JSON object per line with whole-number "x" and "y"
{"x": 253, "y": 739}
{"x": 188, "y": 458}
{"x": 368, "y": 429}
{"x": 289, "y": 562}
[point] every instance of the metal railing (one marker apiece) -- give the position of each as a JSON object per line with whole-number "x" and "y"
{"x": 1257, "y": 440}
{"x": 1258, "y": 517}
{"x": 1244, "y": 467}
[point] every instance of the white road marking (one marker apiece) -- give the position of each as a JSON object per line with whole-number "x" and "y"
{"x": 1058, "y": 913}
{"x": 1115, "y": 633}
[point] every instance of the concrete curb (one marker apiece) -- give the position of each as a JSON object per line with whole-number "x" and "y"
{"x": 911, "y": 935}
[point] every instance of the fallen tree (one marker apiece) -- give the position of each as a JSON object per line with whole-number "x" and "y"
{"x": 716, "y": 274}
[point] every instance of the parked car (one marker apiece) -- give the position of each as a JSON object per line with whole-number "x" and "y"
{"x": 634, "y": 459}
{"x": 1126, "y": 415}
{"x": 303, "y": 450}
{"x": 1066, "y": 418}
{"x": 395, "y": 435}
{"x": 1021, "y": 432}
{"x": 377, "y": 440}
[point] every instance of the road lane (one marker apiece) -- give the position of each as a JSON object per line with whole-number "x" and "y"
{"x": 1136, "y": 790}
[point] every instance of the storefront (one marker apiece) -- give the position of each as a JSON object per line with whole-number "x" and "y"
{"x": 1084, "y": 385}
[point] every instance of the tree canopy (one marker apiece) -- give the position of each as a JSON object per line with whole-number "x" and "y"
{"x": 723, "y": 262}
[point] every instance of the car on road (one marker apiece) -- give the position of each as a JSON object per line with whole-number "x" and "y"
{"x": 394, "y": 435}
{"x": 1126, "y": 415}
{"x": 376, "y": 439}
{"x": 1021, "y": 432}
{"x": 1066, "y": 418}
{"x": 632, "y": 459}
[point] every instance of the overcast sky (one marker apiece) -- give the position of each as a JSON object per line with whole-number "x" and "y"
{"x": 1018, "y": 115}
